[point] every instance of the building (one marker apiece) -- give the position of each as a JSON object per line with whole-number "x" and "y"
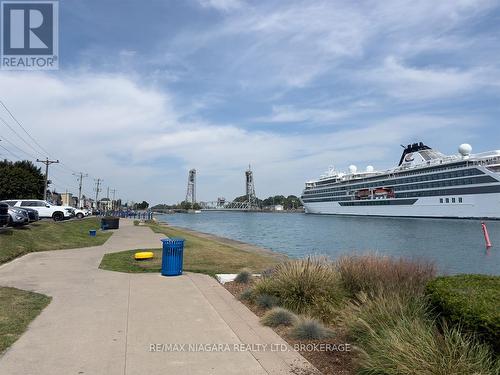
{"x": 67, "y": 199}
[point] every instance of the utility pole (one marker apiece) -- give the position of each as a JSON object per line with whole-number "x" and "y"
{"x": 47, "y": 162}
{"x": 97, "y": 190}
{"x": 80, "y": 177}
{"x": 113, "y": 201}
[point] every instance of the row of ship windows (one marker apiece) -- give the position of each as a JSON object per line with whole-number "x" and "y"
{"x": 437, "y": 176}
{"x": 453, "y": 200}
{"x": 418, "y": 172}
{"x": 423, "y": 193}
{"x": 444, "y": 183}
{"x": 438, "y": 184}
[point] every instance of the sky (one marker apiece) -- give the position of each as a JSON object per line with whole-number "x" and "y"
{"x": 147, "y": 90}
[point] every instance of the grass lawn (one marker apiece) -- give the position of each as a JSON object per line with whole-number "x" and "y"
{"x": 201, "y": 255}
{"x": 49, "y": 235}
{"x": 17, "y": 309}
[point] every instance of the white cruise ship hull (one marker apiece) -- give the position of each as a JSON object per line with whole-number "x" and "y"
{"x": 478, "y": 206}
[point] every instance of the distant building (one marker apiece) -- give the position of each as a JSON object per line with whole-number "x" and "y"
{"x": 278, "y": 207}
{"x": 54, "y": 198}
{"x": 105, "y": 204}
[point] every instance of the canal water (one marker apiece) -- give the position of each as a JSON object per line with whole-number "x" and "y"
{"x": 456, "y": 246}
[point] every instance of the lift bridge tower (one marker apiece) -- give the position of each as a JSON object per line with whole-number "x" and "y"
{"x": 191, "y": 187}
{"x": 250, "y": 189}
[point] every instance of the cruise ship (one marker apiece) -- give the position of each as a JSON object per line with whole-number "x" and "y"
{"x": 426, "y": 183}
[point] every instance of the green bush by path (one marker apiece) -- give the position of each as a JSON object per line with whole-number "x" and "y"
{"x": 471, "y": 302}
{"x": 310, "y": 285}
{"x": 367, "y": 315}
{"x": 49, "y": 235}
{"x": 266, "y": 301}
{"x": 381, "y": 303}
{"x": 279, "y": 317}
{"x": 397, "y": 336}
{"x": 310, "y": 329}
{"x": 17, "y": 309}
{"x": 243, "y": 277}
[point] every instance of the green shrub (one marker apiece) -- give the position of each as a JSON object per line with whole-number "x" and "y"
{"x": 246, "y": 295}
{"x": 375, "y": 274}
{"x": 367, "y": 315}
{"x": 395, "y": 335}
{"x": 417, "y": 347}
{"x": 310, "y": 329}
{"x": 310, "y": 285}
{"x": 279, "y": 317}
{"x": 266, "y": 301}
{"x": 243, "y": 277}
{"x": 469, "y": 301}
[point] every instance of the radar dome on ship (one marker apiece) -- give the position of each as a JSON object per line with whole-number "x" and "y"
{"x": 370, "y": 169}
{"x": 353, "y": 169}
{"x": 465, "y": 149}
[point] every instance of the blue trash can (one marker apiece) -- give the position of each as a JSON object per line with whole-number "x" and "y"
{"x": 172, "y": 256}
{"x": 92, "y": 233}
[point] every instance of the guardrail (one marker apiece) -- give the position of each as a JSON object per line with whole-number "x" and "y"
{"x": 140, "y": 215}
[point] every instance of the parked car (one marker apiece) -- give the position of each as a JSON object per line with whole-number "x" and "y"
{"x": 44, "y": 208}
{"x": 32, "y": 214}
{"x": 81, "y": 213}
{"x": 4, "y": 214}
{"x": 18, "y": 217}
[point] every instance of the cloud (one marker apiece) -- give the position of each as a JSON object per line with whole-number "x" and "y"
{"x": 298, "y": 44}
{"x": 222, "y": 5}
{"x": 291, "y": 114}
{"x": 410, "y": 83}
{"x": 134, "y": 137}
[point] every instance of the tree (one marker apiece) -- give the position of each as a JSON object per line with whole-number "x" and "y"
{"x": 288, "y": 203}
{"x": 141, "y": 206}
{"x": 244, "y": 198}
{"x": 186, "y": 205}
{"x": 21, "y": 179}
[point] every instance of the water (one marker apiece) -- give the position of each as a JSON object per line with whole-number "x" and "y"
{"x": 456, "y": 246}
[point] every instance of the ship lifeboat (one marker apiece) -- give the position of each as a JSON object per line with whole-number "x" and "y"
{"x": 363, "y": 194}
{"x": 383, "y": 193}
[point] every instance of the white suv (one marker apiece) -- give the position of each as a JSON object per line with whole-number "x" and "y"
{"x": 80, "y": 213}
{"x": 44, "y": 208}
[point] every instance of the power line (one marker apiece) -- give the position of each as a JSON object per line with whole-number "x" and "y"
{"x": 16, "y": 133}
{"x": 10, "y": 152}
{"x": 17, "y": 147}
{"x": 65, "y": 166}
{"x": 22, "y": 127}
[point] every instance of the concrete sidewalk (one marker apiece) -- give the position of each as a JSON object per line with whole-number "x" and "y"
{"x": 102, "y": 322}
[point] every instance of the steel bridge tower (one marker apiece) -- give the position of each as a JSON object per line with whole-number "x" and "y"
{"x": 191, "y": 187}
{"x": 250, "y": 189}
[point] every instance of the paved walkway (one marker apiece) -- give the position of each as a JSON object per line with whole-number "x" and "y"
{"x": 105, "y": 323}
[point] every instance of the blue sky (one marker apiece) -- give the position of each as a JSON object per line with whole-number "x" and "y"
{"x": 147, "y": 90}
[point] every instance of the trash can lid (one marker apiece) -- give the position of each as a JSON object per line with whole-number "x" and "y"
{"x": 174, "y": 239}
